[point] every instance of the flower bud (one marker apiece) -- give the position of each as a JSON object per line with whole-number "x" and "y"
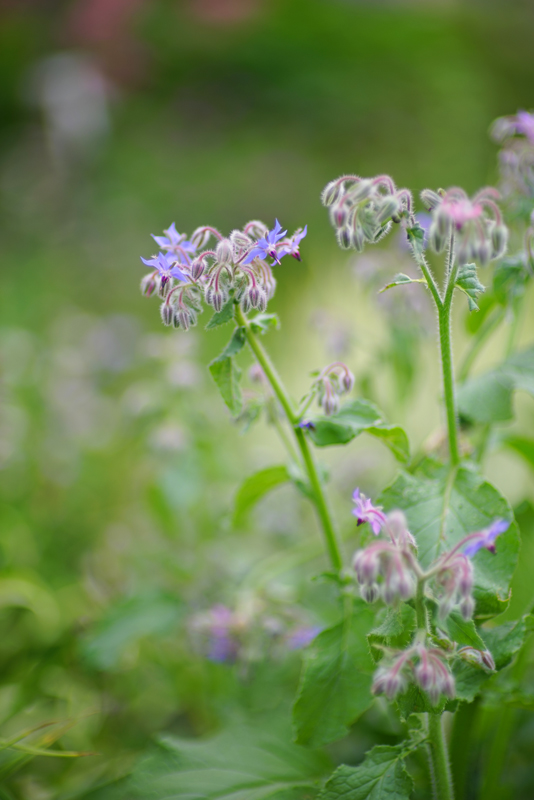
{"x": 344, "y": 238}
{"x": 487, "y": 660}
{"x": 167, "y": 313}
{"x": 198, "y": 267}
{"x": 370, "y": 592}
{"x": 347, "y": 381}
{"x": 467, "y": 607}
{"x": 164, "y": 286}
{"x": 361, "y": 190}
{"x": 330, "y": 401}
{"x": 331, "y": 193}
{"x": 366, "y": 565}
{"x": 217, "y": 300}
{"x": 425, "y": 673}
{"x": 358, "y": 239}
{"x": 443, "y": 222}
{"x": 256, "y": 228}
{"x": 339, "y": 215}
{"x": 430, "y": 198}
{"x": 149, "y": 284}
{"x": 240, "y": 239}
{"x": 389, "y": 207}
{"x": 436, "y": 239}
{"x": 224, "y": 251}
{"x": 499, "y": 240}
{"x": 245, "y": 303}
{"x": 483, "y": 252}
{"x": 200, "y": 237}
{"x": 183, "y": 319}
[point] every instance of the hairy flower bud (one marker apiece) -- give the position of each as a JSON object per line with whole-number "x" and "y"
{"x": 149, "y": 284}
{"x": 217, "y": 300}
{"x": 370, "y": 592}
{"x": 430, "y": 198}
{"x": 499, "y": 240}
{"x": 361, "y": 191}
{"x": 198, "y": 268}
{"x": 339, "y": 215}
{"x": 331, "y": 193}
{"x": 347, "y": 381}
{"x": 344, "y": 238}
{"x": 387, "y": 209}
{"x": 436, "y": 239}
{"x": 167, "y": 313}
{"x": 467, "y": 607}
{"x": 224, "y": 251}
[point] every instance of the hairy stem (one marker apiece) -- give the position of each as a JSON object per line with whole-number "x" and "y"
{"x": 319, "y": 499}
{"x": 420, "y": 609}
{"x": 445, "y": 342}
{"x": 439, "y": 762}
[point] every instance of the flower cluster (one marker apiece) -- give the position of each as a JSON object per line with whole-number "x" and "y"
{"x": 477, "y": 224}
{"x": 427, "y": 667}
{"x": 248, "y": 631}
{"x": 333, "y": 381}
{"x": 183, "y": 273}
{"x": 388, "y": 569}
{"x": 363, "y": 209}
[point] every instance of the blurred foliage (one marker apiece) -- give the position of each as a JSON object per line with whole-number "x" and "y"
{"x": 118, "y": 462}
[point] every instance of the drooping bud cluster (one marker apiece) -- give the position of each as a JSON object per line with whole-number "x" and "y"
{"x": 183, "y": 274}
{"x": 516, "y": 134}
{"x": 331, "y": 383}
{"x": 388, "y": 569}
{"x": 385, "y": 568}
{"x": 427, "y": 667}
{"x": 363, "y": 209}
{"x": 480, "y": 232}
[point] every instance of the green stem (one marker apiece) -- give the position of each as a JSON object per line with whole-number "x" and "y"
{"x": 486, "y": 329}
{"x": 330, "y": 535}
{"x": 420, "y": 609}
{"x": 445, "y": 342}
{"x": 439, "y": 762}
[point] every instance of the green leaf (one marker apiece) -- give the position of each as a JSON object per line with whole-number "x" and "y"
{"x": 461, "y": 631}
{"x": 467, "y": 280}
{"x": 335, "y": 687}
{"x": 356, "y": 417}
{"x": 262, "y": 323}
{"x": 226, "y": 314}
{"x": 235, "y": 345}
{"x": 416, "y": 239}
{"x": 522, "y": 445}
{"x": 442, "y": 507}
{"x": 381, "y": 776}
{"x": 254, "y": 488}
{"x": 245, "y": 763}
{"x": 510, "y": 276}
{"x": 395, "y": 628}
{"x": 488, "y": 398}
{"x": 400, "y": 280}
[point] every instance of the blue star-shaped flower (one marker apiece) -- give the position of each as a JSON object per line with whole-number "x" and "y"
{"x": 174, "y": 242}
{"x": 166, "y": 266}
{"x": 266, "y": 246}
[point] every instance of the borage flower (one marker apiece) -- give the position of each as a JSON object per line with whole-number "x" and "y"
{"x": 266, "y": 246}
{"x": 365, "y": 511}
{"x": 291, "y": 246}
{"x": 486, "y": 538}
{"x": 166, "y": 266}
{"x": 175, "y": 243}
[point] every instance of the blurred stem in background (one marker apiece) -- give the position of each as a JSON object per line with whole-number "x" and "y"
{"x": 331, "y": 537}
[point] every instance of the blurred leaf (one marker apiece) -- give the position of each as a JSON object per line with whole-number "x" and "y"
{"x": 354, "y": 418}
{"x": 521, "y": 445}
{"x": 300, "y": 479}
{"x": 254, "y": 488}
{"x": 226, "y": 374}
{"x": 226, "y": 314}
{"x": 461, "y": 631}
{"x": 24, "y": 593}
{"x": 395, "y": 628}
{"x": 469, "y": 283}
{"x": 442, "y": 507}
{"x": 401, "y": 279}
{"x": 335, "y": 687}
{"x": 236, "y": 343}
{"x": 262, "y": 323}
{"x": 488, "y": 397}
{"x": 381, "y": 776}
{"x": 510, "y": 276}
{"x": 416, "y": 238}
{"x": 245, "y": 763}
{"x": 127, "y": 623}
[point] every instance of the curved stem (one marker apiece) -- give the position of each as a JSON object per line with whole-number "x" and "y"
{"x": 330, "y": 535}
{"x": 439, "y": 761}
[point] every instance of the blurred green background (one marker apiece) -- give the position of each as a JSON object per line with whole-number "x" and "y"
{"x": 118, "y": 461}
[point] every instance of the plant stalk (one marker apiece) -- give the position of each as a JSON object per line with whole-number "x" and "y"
{"x": 439, "y": 762}
{"x": 445, "y": 343}
{"x": 331, "y": 538}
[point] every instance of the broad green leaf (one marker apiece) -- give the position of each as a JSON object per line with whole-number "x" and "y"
{"x": 354, "y": 418}
{"x": 381, "y": 776}
{"x": 262, "y": 323}
{"x": 469, "y": 283}
{"x": 400, "y": 280}
{"x": 416, "y": 238}
{"x": 442, "y": 507}
{"x": 226, "y": 374}
{"x": 235, "y": 345}
{"x": 415, "y": 701}
{"x": 488, "y": 397}
{"x": 335, "y": 687}
{"x": 226, "y": 314}
{"x": 395, "y": 628}
{"x": 521, "y": 445}
{"x": 254, "y": 488}
{"x": 127, "y": 623}
{"x": 245, "y": 763}
{"x": 510, "y": 276}
{"x": 461, "y": 631}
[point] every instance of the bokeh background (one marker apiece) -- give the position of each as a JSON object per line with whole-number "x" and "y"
{"x": 118, "y": 461}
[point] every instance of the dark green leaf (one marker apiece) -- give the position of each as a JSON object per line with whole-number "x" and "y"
{"x": 226, "y": 373}
{"x": 335, "y": 687}
{"x": 254, "y": 488}
{"x": 395, "y": 628}
{"x": 442, "y": 508}
{"x": 415, "y": 701}
{"x": 381, "y": 776}
{"x": 262, "y": 323}
{"x": 354, "y": 418}
{"x": 246, "y": 763}
{"x": 235, "y": 345}
{"x": 416, "y": 238}
{"x": 488, "y": 398}
{"x": 226, "y": 314}
{"x": 467, "y": 280}
{"x": 462, "y": 631}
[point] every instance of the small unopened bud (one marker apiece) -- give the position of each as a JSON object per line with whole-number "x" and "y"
{"x": 240, "y": 239}
{"x": 200, "y": 237}
{"x": 256, "y": 228}
{"x": 430, "y": 198}
{"x": 224, "y": 251}
{"x": 330, "y": 403}
{"x": 467, "y": 607}
{"x": 484, "y": 252}
{"x": 331, "y": 193}
{"x": 344, "y": 238}
{"x": 370, "y": 592}
{"x": 347, "y": 381}
{"x": 436, "y": 239}
{"x": 358, "y": 238}
{"x": 217, "y": 300}
{"x": 361, "y": 190}
{"x": 164, "y": 286}
{"x": 499, "y": 240}
{"x": 245, "y": 303}
{"x": 443, "y": 222}
{"x": 339, "y": 215}
{"x": 425, "y": 674}
{"x": 389, "y": 207}
{"x": 149, "y": 284}
{"x": 487, "y": 660}
{"x": 198, "y": 267}
{"x": 183, "y": 319}
{"x": 167, "y": 313}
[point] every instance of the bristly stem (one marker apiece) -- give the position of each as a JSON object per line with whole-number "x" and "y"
{"x": 445, "y": 341}
{"x": 442, "y": 788}
{"x": 331, "y": 539}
